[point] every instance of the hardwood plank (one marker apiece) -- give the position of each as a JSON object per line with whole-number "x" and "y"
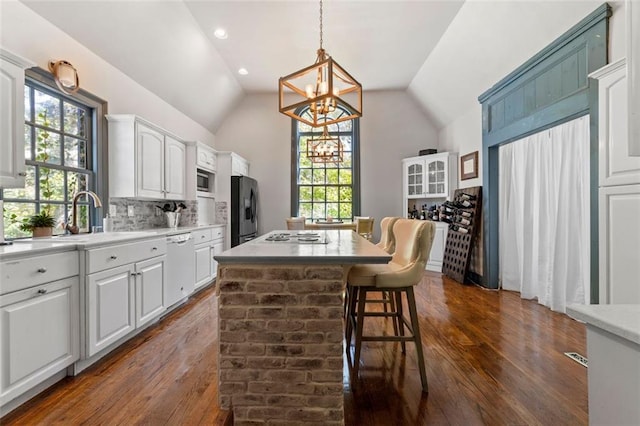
{"x": 491, "y": 358}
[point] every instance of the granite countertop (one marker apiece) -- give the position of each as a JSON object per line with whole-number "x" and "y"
{"x": 621, "y": 320}
{"x": 333, "y": 247}
{"x": 86, "y": 241}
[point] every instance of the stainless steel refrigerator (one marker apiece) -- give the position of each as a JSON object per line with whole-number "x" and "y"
{"x": 244, "y": 209}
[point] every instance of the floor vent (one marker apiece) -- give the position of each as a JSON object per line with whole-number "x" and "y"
{"x": 577, "y": 358}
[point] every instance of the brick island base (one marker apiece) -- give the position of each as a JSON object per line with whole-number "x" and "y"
{"x": 281, "y": 343}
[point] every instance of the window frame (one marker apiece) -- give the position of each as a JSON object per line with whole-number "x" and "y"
{"x": 355, "y": 164}
{"x": 97, "y": 152}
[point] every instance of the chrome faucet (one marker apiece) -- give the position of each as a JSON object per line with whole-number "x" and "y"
{"x": 73, "y": 228}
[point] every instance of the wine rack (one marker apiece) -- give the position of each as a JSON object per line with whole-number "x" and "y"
{"x": 457, "y": 252}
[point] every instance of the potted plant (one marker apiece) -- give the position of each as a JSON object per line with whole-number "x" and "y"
{"x": 41, "y": 224}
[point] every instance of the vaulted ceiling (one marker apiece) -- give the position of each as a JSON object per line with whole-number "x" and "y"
{"x": 444, "y": 52}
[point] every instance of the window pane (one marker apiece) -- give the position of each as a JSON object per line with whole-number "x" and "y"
{"x": 27, "y": 103}
{"x": 345, "y": 211}
{"x": 305, "y": 210}
{"x": 14, "y": 213}
{"x": 47, "y": 110}
{"x": 57, "y": 211}
{"x": 74, "y": 120}
{"x": 83, "y": 219}
{"x": 332, "y": 210}
{"x": 305, "y": 176}
{"x": 319, "y": 211}
{"x": 75, "y": 152}
{"x": 332, "y": 176}
{"x": 346, "y": 194}
{"x": 305, "y": 193}
{"x": 346, "y": 162}
{"x": 318, "y": 176}
{"x": 332, "y": 193}
{"x": 29, "y": 190}
{"x": 47, "y": 147}
{"x": 27, "y": 142}
{"x": 76, "y": 182}
{"x": 346, "y": 143}
{"x": 318, "y": 194}
{"x": 51, "y": 184}
{"x": 345, "y": 176}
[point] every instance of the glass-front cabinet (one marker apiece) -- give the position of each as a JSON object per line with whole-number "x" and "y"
{"x": 430, "y": 176}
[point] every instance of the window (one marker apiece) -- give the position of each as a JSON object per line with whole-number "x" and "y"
{"x": 61, "y": 156}
{"x": 322, "y": 190}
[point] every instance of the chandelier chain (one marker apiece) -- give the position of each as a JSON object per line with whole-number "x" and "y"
{"x": 320, "y": 24}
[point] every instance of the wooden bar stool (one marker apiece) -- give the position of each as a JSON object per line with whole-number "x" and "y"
{"x": 295, "y": 223}
{"x": 413, "y": 243}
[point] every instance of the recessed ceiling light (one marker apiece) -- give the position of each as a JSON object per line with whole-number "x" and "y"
{"x": 243, "y": 71}
{"x": 221, "y": 33}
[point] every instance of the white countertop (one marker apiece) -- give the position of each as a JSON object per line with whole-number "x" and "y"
{"x": 621, "y": 320}
{"x": 341, "y": 247}
{"x": 85, "y": 241}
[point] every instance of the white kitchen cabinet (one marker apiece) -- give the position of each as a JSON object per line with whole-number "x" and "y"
{"x": 436, "y": 256}
{"x": 12, "y": 166}
{"x": 125, "y": 285}
{"x": 430, "y": 176}
{"x": 216, "y": 248}
{"x": 110, "y": 307}
{"x": 206, "y": 157}
{"x": 619, "y": 192}
{"x": 39, "y": 335}
{"x": 203, "y": 264}
{"x": 145, "y": 161}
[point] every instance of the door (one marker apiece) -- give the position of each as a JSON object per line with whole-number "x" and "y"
{"x": 39, "y": 335}
{"x": 204, "y": 261}
{"x": 436, "y": 256}
{"x": 150, "y": 278}
{"x": 111, "y": 308}
{"x": 436, "y": 177}
{"x": 175, "y": 157}
{"x": 150, "y": 162}
{"x": 218, "y": 247}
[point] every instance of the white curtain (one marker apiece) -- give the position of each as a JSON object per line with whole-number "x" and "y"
{"x": 544, "y": 215}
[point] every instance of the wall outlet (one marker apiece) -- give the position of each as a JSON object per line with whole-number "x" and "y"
{"x": 113, "y": 211}
{"x": 131, "y": 211}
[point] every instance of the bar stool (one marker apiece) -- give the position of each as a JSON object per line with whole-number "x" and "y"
{"x": 364, "y": 227}
{"x": 413, "y": 243}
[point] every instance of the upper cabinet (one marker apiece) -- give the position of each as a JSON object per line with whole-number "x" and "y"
{"x": 206, "y": 157}
{"x": 144, "y": 160}
{"x": 633, "y": 58}
{"x": 12, "y": 168}
{"x": 617, "y": 166}
{"x": 430, "y": 176}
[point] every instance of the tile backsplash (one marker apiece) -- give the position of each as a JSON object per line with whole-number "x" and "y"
{"x": 147, "y": 215}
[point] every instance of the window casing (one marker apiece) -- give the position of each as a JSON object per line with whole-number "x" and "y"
{"x": 322, "y": 190}
{"x": 64, "y": 153}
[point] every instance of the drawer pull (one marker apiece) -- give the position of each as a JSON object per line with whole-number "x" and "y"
{"x": 22, "y": 174}
{"x": 113, "y": 257}
{"x": 154, "y": 248}
{"x": 42, "y": 291}
{"x": 42, "y": 270}
{"x": 202, "y": 236}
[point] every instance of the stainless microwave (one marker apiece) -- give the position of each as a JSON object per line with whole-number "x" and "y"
{"x": 203, "y": 181}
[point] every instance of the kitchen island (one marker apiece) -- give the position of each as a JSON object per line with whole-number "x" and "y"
{"x": 281, "y": 325}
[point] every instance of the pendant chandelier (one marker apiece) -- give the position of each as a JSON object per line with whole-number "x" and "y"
{"x": 322, "y": 87}
{"x": 325, "y": 148}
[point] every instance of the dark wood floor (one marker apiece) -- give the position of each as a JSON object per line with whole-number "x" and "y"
{"x": 491, "y": 358}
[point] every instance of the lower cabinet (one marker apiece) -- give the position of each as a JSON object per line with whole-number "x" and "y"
{"x": 204, "y": 261}
{"x": 39, "y": 335}
{"x": 122, "y": 299}
{"x": 218, "y": 247}
{"x": 436, "y": 257}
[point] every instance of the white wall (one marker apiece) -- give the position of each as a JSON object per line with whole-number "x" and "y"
{"x": 27, "y": 34}
{"x": 392, "y": 127}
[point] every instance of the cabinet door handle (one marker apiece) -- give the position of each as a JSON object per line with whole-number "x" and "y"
{"x": 22, "y": 174}
{"x": 42, "y": 291}
{"x": 201, "y": 236}
{"x": 113, "y": 257}
{"x": 42, "y": 270}
{"x": 154, "y": 248}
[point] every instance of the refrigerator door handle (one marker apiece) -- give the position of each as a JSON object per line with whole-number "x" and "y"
{"x": 253, "y": 206}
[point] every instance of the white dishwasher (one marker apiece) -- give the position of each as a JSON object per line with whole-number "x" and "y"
{"x": 181, "y": 263}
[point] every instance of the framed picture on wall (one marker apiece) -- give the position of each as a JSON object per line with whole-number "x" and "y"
{"x": 469, "y": 166}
